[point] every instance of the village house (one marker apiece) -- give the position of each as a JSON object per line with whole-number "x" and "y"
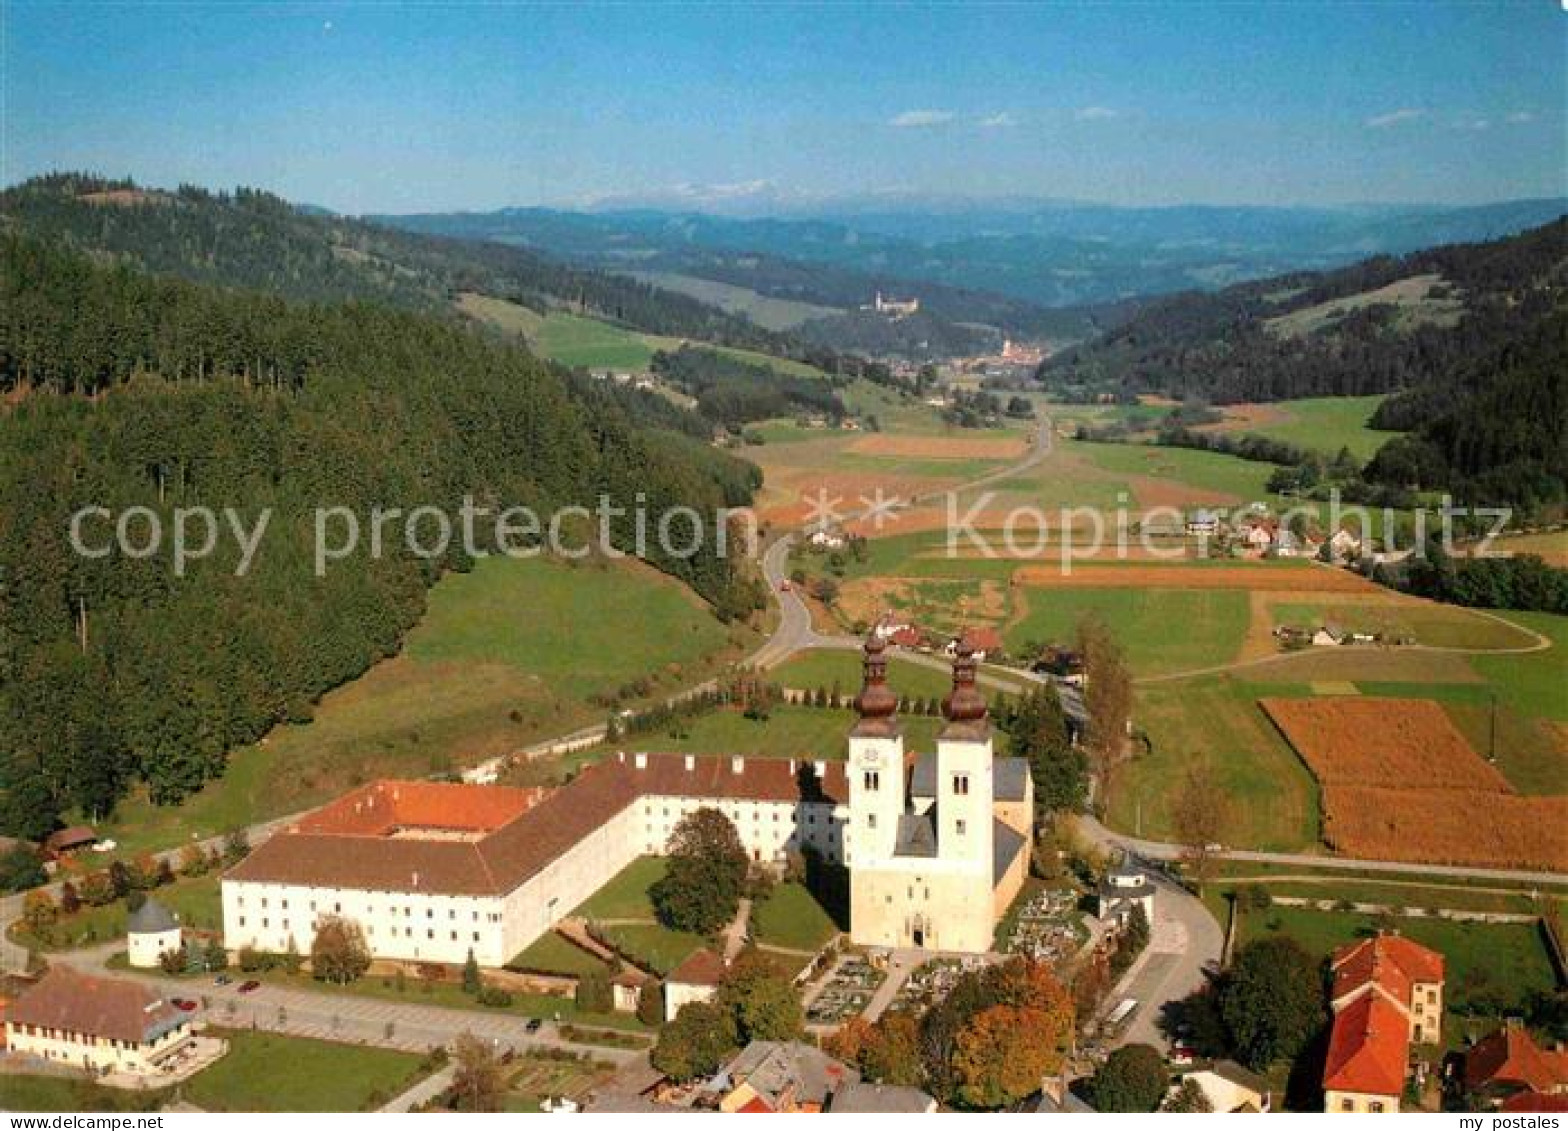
{"x": 780, "y": 1077}
{"x": 1231, "y": 1088}
{"x": 1342, "y": 546}
{"x": 696, "y": 979}
{"x": 1509, "y": 1064}
{"x": 1123, "y": 889}
{"x": 68, "y": 841}
{"x": 982, "y": 641}
{"x": 432, "y": 871}
{"x": 889, "y": 1099}
{"x": 1203, "y": 524}
{"x": 100, "y": 1025}
{"x": 1386, "y": 995}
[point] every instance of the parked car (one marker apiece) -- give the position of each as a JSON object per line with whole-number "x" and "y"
{"x": 249, "y": 986}
{"x": 184, "y": 1004}
{"x": 533, "y": 1025}
{"x": 222, "y": 980}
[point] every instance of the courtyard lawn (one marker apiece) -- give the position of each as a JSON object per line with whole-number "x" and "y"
{"x": 1215, "y": 721}
{"x": 652, "y": 946}
{"x": 625, "y": 896}
{"x": 825, "y": 667}
{"x": 550, "y": 953}
{"x": 270, "y": 1072}
{"x": 505, "y": 655}
{"x": 792, "y": 919}
{"x": 1161, "y": 630}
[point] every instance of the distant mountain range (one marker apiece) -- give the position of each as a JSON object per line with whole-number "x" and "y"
{"x": 993, "y": 262}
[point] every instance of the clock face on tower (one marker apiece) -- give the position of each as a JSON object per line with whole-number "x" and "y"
{"x": 871, "y": 757}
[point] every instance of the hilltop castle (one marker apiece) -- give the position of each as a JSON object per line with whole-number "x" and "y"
{"x": 936, "y": 845}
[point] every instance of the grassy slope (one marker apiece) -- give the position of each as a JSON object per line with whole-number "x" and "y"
{"x": 1328, "y": 423}
{"x": 268, "y": 1072}
{"x": 1216, "y": 722}
{"x": 503, "y": 657}
{"x": 791, "y": 918}
{"x": 1212, "y": 623}
{"x": 1507, "y": 956}
{"x": 825, "y": 666}
{"x": 790, "y": 732}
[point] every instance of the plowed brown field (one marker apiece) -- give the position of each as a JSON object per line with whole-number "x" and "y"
{"x": 1401, "y": 783}
{"x": 1283, "y": 579}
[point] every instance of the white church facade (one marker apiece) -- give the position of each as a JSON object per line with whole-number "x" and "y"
{"x": 936, "y": 846}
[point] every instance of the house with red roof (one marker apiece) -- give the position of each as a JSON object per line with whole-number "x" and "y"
{"x": 1510, "y": 1064}
{"x": 1386, "y": 995}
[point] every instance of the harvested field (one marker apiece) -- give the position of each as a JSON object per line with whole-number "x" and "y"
{"x": 1400, "y": 782}
{"x": 940, "y": 447}
{"x": 1243, "y": 578}
{"x": 1435, "y": 826}
{"x": 1366, "y": 741}
{"x": 1402, "y": 665}
{"x": 939, "y": 604}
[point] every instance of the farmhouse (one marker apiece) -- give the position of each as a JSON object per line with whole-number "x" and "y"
{"x": 1386, "y": 994}
{"x": 97, "y": 1024}
{"x": 433, "y": 872}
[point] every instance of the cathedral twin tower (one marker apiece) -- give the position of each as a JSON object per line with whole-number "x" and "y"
{"x": 934, "y": 854}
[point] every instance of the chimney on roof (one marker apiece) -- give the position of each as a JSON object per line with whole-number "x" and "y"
{"x": 414, "y": 879}
{"x": 821, "y": 768}
{"x": 737, "y": 764}
{"x": 691, "y": 762}
{"x": 792, "y": 767}
{"x": 640, "y": 760}
{"x": 620, "y": 755}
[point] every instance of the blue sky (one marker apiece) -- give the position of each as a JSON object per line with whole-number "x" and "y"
{"x": 385, "y": 107}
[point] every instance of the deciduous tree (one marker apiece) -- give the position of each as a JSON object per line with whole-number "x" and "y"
{"x": 705, "y": 874}
{"x": 339, "y": 952}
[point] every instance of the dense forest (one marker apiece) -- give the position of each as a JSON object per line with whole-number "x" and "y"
{"x": 1476, "y": 355}
{"x": 125, "y": 389}
{"x": 731, "y": 392}
{"x": 255, "y": 240}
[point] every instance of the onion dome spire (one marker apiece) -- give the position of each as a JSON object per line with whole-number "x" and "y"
{"x": 876, "y": 699}
{"x": 965, "y": 703}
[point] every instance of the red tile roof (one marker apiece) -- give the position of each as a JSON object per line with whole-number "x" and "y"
{"x": 1535, "y": 1101}
{"x": 1368, "y": 1049}
{"x": 99, "y": 1007}
{"x": 1510, "y": 1058}
{"x": 983, "y": 639}
{"x": 382, "y": 807}
{"x": 1391, "y": 961}
{"x": 701, "y": 968}
{"x": 363, "y": 856}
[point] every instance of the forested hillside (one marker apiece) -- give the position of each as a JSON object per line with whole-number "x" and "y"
{"x": 1260, "y": 341}
{"x": 255, "y": 240}
{"x": 125, "y": 389}
{"x": 1471, "y": 337}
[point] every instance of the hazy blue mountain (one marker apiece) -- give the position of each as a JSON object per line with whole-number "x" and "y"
{"x": 1041, "y": 253}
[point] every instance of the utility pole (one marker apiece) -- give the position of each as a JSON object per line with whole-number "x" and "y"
{"x": 1491, "y": 731}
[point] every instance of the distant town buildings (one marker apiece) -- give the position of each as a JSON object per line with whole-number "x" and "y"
{"x": 893, "y": 307}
